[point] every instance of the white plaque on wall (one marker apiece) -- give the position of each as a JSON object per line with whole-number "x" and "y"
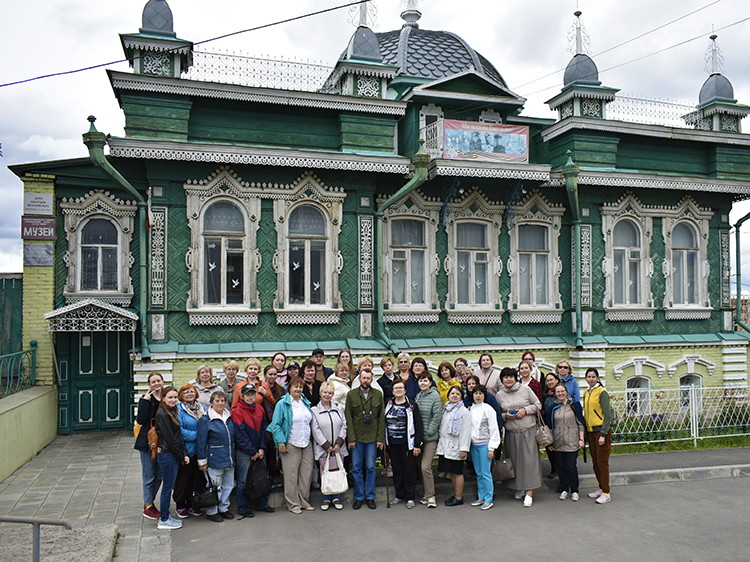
{"x": 37, "y": 203}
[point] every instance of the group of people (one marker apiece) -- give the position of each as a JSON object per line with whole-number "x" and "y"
{"x": 302, "y": 421}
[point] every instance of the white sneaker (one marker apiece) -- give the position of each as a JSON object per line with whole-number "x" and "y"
{"x": 410, "y": 504}
{"x": 574, "y": 496}
{"x": 169, "y": 524}
{"x": 564, "y": 495}
{"x": 594, "y": 495}
{"x": 604, "y": 498}
{"x": 396, "y": 501}
{"x": 527, "y": 501}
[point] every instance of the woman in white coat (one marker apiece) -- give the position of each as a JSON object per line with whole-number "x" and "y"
{"x": 329, "y": 434}
{"x": 454, "y": 443}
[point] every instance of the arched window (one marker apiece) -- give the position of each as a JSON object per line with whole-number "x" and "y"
{"x": 308, "y": 241}
{"x": 627, "y": 263}
{"x": 684, "y": 264}
{"x": 690, "y": 393}
{"x": 638, "y": 396}
{"x": 224, "y": 254}
{"x": 99, "y": 256}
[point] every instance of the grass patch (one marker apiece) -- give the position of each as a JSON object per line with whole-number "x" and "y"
{"x": 687, "y": 445}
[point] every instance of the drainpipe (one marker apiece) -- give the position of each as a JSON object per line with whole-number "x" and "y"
{"x": 421, "y": 161}
{"x": 95, "y": 142}
{"x": 570, "y": 171}
{"x": 738, "y": 260}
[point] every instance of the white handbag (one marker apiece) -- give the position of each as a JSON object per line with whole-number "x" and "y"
{"x": 333, "y": 482}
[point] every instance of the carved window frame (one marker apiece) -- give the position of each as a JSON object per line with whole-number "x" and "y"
{"x": 431, "y": 110}
{"x": 698, "y": 218}
{"x": 415, "y": 206}
{"x": 536, "y": 210}
{"x": 475, "y": 208}
{"x": 628, "y": 207}
{"x": 77, "y": 213}
{"x": 309, "y": 190}
{"x": 223, "y": 185}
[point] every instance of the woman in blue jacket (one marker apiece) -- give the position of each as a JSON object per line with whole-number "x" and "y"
{"x": 189, "y": 411}
{"x": 216, "y": 455}
{"x": 292, "y": 432}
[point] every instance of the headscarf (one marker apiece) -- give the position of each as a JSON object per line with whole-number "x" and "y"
{"x": 454, "y": 413}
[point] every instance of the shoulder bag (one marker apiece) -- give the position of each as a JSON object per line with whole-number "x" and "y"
{"x": 333, "y": 481}
{"x": 153, "y": 440}
{"x": 543, "y": 433}
{"x": 204, "y": 496}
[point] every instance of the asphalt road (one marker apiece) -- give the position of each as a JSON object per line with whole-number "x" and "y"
{"x": 675, "y": 521}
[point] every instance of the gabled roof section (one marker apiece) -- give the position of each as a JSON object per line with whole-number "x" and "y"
{"x": 91, "y": 315}
{"x": 467, "y": 85}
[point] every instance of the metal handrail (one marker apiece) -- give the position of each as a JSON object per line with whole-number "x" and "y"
{"x": 18, "y": 371}
{"x": 37, "y": 523}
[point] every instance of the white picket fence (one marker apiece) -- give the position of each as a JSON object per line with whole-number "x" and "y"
{"x": 648, "y": 415}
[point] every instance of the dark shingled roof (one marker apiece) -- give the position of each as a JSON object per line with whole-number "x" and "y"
{"x": 581, "y": 69}
{"x": 431, "y": 54}
{"x": 716, "y": 87}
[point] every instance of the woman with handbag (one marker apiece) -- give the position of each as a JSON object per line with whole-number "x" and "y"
{"x": 549, "y": 400}
{"x": 485, "y": 438}
{"x": 250, "y": 430}
{"x": 454, "y": 442}
{"x": 189, "y": 412}
{"x": 403, "y": 439}
{"x": 598, "y": 415}
{"x": 520, "y": 407}
{"x": 292, "y": 432}
{"x": 565, "y": 419}
{"x": 216, "y": 453}
{"x": 329, "y": 437}
{"x": 171, "y": 453}
{"x": 148, "y": 405}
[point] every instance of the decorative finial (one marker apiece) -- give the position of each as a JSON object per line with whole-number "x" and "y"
{"x": 411, "y": 15}
{"x": 714, "y": 57}
{"x": 579, "y": 42}
{"x": 358, "y": 15}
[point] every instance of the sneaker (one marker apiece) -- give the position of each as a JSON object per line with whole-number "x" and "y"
{"x": 564, "y": 495}
{"x": 325, "y": 506}
{"x": 477, "y": 503}
{"x": 519, "y": 495}
{"x": 431, "y": 502}
{"x": 396, "y": 501}
{"x": 604, "y": 498}
{"x": 527, "y": 501}
{"x": 337, "y": 504}
{"x": 169, "y": 524}
{"x": 574, "y": 496}
{"x": 410, "y": 504}
{"x": 183, "y": 513}
{"x": 486, "y": 506}
{"x": 195, "y": 512}
{"x": 150, "y": 512}
{"x": 594, "y": 495}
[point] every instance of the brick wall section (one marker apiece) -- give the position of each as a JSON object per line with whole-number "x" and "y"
{"x": 39, "y": 293}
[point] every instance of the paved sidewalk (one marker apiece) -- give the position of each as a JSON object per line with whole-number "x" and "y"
{"x": 93, "y": 481}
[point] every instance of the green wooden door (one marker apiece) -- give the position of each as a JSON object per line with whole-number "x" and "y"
{"x": 100, "y": 381}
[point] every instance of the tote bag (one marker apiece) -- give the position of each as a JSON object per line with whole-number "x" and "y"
{"x": 333, "y": 481}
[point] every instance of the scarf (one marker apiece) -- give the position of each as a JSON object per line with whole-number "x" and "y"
{"x": 195, "y": 409}
{"x": 454, "y": 413}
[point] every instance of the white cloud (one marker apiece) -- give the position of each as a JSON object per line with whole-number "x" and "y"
{"x": 50, "y": 148}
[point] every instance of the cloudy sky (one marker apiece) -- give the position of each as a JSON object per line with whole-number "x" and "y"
{"x": 527, "y": 40}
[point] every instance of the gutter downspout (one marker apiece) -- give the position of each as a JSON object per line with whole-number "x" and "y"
{"x": 570, "y": 171}
{"x": 738, "y": 260}
{"x": 95, "y": 142}
{"x": 421, "y": 161}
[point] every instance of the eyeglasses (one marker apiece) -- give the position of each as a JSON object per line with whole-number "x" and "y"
{"x": 563, "y": 367}
{"x": 403, "y": 362}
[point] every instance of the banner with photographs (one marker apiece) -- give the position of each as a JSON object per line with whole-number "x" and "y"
{"x": 486, "y": 142}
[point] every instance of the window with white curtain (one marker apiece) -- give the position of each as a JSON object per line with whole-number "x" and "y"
{"x": 408, "y": 257}
{"x": 473, "y": 260}
{"x": 626, "y": 263}
{"x": 224, "y": 254}
{"x": 533, "y": 262}
{"x": 99, "y": 256}
{"x": 308, "y": 240}
{"x": 684, "y": 264}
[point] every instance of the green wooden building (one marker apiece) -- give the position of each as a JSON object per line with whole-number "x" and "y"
{"x": 233, "y": 221}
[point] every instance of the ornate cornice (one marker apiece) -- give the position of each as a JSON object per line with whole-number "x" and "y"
{"x": 650, "y": 181}
{"x": 193, "y": 152}
{"x": 441, "y": 167}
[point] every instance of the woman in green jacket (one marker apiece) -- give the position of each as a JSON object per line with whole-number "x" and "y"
{"x": 431, "y": 408}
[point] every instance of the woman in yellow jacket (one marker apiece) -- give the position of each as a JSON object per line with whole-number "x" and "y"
{"x": 598, "y": 415}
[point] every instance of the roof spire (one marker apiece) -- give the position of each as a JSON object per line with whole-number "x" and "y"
{"x": 578, "y": 38}
{"x": 714, "y": 57}
{"x": 360, "y": 14}
{"x": 411, "y": 15}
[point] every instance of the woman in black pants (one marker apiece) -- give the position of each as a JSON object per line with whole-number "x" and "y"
{"x": 403, "y": 437}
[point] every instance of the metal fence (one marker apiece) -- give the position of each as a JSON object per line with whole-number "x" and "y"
{"x": 259, "y": 72}
{"x": 647, "y": 415}
{"x": 17, "y": 371}
{"x": 651, "y": 111}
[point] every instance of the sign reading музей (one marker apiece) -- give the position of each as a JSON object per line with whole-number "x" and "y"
{"x": 38, "y": 228}
{"x": 488, "y": 142}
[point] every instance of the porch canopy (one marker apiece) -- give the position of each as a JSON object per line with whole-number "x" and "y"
{"x": 91, "y": 315}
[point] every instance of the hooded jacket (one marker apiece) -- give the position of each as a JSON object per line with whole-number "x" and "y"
{"x": 431, "y": 410}
{"x": 216, "y": 437}
{"x": 250, "y": 427}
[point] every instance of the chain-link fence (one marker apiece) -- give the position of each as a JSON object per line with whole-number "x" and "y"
{"x": 646, "y": 415}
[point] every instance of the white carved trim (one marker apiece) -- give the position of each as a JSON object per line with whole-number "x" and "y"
{"x": 535, "y": 316}
{"x": 366, "y": 248}
{"x": 630, "y": 315}
{"x": 638, "y": 363}
{"x": 158, "y": 253}
{"x": 200, "y": 319}
{"x": 691, "y": 361}
{"x": 688, "y": 314}
{"x": 477, "y": 317}
{"x": 195, "y": 152}
{"x": 91, "y": 315}
{"x": 726, "y": 271}
{"x": 190, "y": 88}
{"x": 440, "y": 167}
{"x": 573, "y": 93}
{"x": 77, "y": 213}
{"x": 429, "y": 109}
{"x": 490, "y": 116}
{"x": 300, "y": 317}
{"x": 412, "y": 317}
